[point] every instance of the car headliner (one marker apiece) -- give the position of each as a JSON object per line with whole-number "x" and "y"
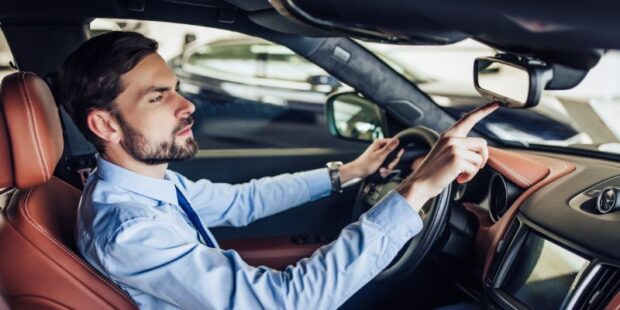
{"x": 572, "y": 34}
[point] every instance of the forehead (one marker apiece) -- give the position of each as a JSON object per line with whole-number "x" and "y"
{"x": 150, "y": 71}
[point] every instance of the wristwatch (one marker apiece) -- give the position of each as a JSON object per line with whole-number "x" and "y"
{"x": 334, "y": 175}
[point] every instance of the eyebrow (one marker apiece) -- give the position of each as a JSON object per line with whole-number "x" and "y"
{"x": 159, "y": 89}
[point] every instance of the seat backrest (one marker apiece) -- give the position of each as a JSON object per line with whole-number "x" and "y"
{"x": 39, "y": 267}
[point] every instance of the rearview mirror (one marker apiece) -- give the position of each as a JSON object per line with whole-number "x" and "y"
{"x": 513, "y": 82}
{"x": 353, "y": 117}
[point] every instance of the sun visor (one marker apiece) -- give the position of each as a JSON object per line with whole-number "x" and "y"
{"x": 565, "y": 77}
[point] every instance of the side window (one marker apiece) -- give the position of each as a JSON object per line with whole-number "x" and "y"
{"x": 248, "y": 92}
{"x": 233, "y": 60}
{"x": 284, "y": 64}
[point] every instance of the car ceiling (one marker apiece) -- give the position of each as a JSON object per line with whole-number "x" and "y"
{"x": 572, "y": 34}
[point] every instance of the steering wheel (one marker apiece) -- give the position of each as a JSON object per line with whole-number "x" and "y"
{"x": 416, "y": 141}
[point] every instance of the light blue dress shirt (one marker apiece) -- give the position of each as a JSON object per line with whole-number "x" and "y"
{"x": 130, "y": 228}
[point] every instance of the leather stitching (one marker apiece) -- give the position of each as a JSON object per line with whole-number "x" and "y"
{"x": 33, "y": 130}
{"x": 67, "y": 251}
{"x": 36, "y": 128}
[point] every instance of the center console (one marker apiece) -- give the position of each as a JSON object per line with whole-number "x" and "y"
{"x": 533, "y": 270}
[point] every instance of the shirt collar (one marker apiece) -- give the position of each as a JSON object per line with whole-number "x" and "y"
{"x": 158, "y": 189}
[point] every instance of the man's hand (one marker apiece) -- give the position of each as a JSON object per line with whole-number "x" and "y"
{"x": 454, "y": 156}
{"x": 372, "y": 158}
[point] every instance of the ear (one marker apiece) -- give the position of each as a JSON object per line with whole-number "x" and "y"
{"x": 104, "y": 125}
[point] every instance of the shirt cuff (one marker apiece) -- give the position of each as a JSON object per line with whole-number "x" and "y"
{"x": 398, "y": 220}
{"x": 318, "y": 182}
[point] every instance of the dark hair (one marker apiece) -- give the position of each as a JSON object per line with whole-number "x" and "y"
{"x": 90, "y": 78}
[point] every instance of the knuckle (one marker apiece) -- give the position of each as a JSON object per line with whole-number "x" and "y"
{"x": 450, "y": 141}
{"x": 454, "y": 147}
{"x": 453, "y": 151}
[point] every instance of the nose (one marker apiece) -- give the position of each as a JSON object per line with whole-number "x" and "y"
{"x": 185, "y": 108}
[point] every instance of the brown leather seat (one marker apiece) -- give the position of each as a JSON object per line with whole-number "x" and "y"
{"x": 39, "y": 267}
{"x": 3, "y": 304}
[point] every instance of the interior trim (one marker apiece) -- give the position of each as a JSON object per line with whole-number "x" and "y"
{"x": 276, "y": 252}
{"x": 488, "y": 238}
{"x": 271, "y": 152}
{"x": 614, "y": 304}
{"x": 519, "y": 168}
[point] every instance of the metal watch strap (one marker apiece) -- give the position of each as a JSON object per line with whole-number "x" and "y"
{"x": 333, "y": 168}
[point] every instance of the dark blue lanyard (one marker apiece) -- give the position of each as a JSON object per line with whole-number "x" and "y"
{"x": 193, "y": 217}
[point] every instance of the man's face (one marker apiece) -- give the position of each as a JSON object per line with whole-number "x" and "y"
{"x": 155, "y": 120}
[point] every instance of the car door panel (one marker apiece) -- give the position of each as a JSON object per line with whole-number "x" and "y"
{"x": 274, "y": 252}
{"x": 286, "y": 237}
{"x": 238, "y": 166}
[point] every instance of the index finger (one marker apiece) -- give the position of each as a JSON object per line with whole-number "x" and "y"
{"x": 463, "y": 126}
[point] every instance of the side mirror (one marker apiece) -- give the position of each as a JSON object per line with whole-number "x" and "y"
{"x": 353, "y": 117}
{"x": 510, "y": 81}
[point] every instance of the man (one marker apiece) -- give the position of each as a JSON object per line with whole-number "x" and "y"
{"x": 147, "y": 228}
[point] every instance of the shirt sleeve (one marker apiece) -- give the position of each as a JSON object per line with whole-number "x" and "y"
{"x": 219, "y": 204}
{"x": 155, "y": 258}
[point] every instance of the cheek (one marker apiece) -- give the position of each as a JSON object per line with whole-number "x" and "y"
{"x": 156, "y": 126}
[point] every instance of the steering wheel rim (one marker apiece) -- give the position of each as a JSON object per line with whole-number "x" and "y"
{"x": 417, "y": 141}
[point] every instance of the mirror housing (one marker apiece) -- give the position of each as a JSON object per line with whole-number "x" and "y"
{"x": 353, "y": 117}
{"x": 513, "y": 82}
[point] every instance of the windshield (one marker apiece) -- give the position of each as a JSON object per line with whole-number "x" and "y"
{"x": 583, "y": 117}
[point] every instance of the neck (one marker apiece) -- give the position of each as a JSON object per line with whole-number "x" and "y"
{"x": 126, "y": 161}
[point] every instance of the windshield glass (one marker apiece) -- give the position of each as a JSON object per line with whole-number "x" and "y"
{"x": 583, "y": 117}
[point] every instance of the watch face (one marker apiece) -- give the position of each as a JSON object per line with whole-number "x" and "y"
{"x": 334, "y": 164}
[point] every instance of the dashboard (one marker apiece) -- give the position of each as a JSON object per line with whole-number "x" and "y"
{"x": 549, "y": 231}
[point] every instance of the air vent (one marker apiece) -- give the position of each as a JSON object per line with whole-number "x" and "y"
{"x": 502, "y": 248}
{"x": 604, "y": 286}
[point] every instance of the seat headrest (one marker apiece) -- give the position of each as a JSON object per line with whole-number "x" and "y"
{"x": 30, "y": 132}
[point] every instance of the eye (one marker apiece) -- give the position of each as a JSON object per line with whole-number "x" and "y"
{"x": 156, "y": 99}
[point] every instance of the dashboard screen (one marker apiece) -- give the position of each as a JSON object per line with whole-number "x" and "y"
{"x": 543, "y": 274}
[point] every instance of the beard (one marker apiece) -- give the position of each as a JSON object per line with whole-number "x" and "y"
{"x": 138, "y": 147}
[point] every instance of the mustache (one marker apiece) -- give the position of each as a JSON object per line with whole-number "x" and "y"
{"x": 183, "y": 123}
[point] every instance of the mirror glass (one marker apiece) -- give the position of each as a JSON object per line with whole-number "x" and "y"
{"x": 503, "y": 82}
{"x": 356, "y": 118}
